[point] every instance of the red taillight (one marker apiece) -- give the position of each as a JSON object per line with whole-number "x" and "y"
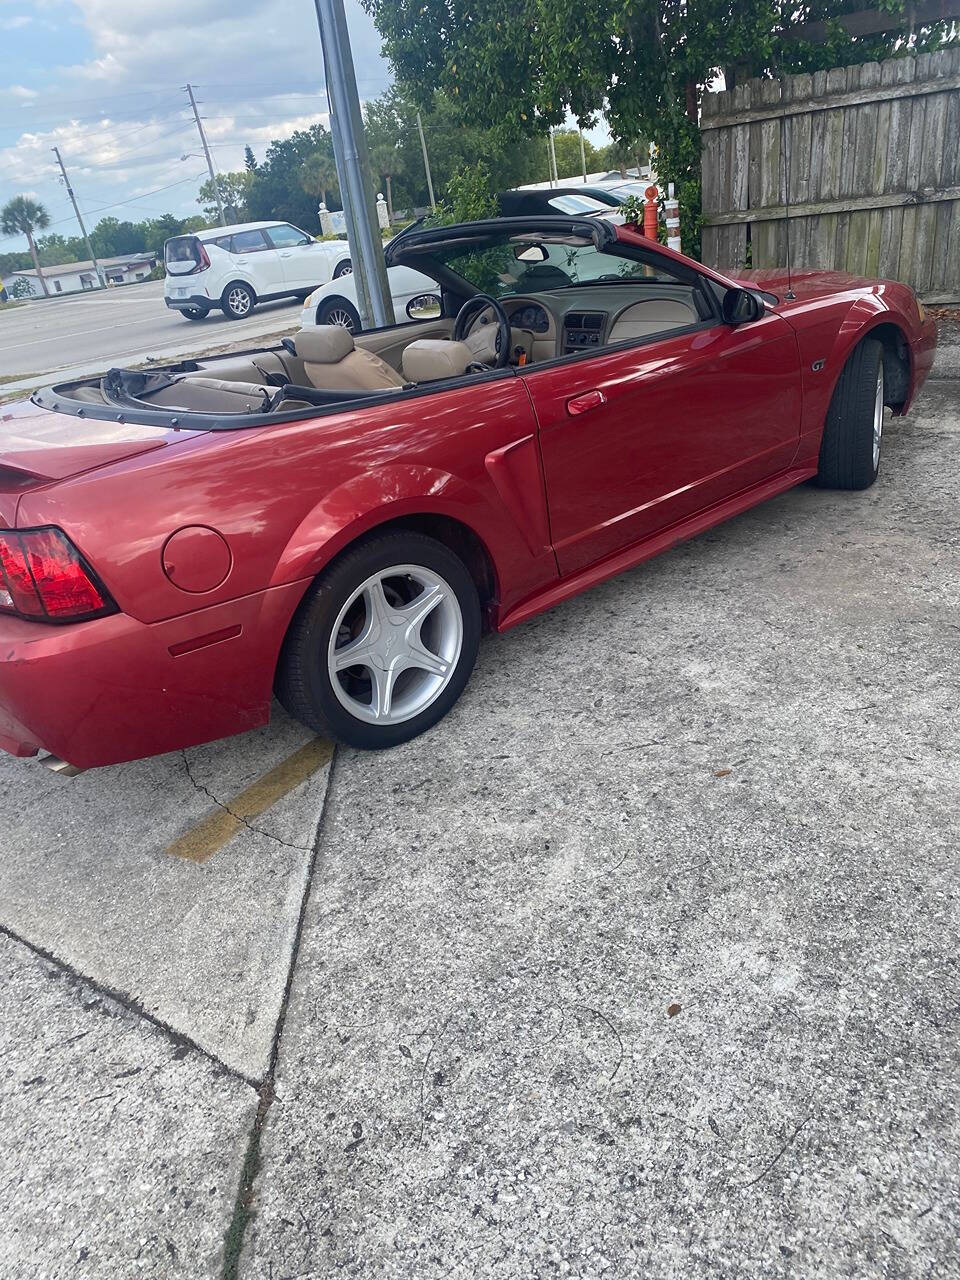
{"x": 43, "y": 578}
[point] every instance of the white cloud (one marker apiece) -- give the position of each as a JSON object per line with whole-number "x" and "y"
{"x": 16, "y": 22}
{"x": 121, "y": 117}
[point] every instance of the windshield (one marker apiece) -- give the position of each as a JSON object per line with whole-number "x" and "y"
{"x": 577, "y": 203}
{"x": 521, "y": 264}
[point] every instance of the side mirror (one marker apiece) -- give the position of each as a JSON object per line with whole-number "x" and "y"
{"x": 740, "y": 306}
{"x": 425, "y": 306}
{"x": 289, "y": 345}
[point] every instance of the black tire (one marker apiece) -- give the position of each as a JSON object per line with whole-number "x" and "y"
{"x": 847, "y": 448}
{"x": 304, "y": 685}
{"x": 344, "y": 268}
{"x": 233, "y": 308}
{"x": 339, "y": 311}
{"x": 195, "y": 313}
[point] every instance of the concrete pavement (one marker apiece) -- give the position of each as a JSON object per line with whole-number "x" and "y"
{"x": 642, "y": 963}
{"x": 86, "y": 333}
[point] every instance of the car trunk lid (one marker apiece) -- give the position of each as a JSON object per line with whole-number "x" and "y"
{"x": 38, "y": 446}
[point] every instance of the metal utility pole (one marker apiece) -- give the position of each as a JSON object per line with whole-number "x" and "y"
{"x": 206, "y": 152}
{"x": 426, "y": 163}
{"x": 554, "y": 176}
{"x": 583, "y": 156}
{"x": 83, "y": 229}
{"x": 353, "y": 168}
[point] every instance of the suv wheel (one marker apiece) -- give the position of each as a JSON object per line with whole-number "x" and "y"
{"x": 344, "y": 268}
{"x": 383, "y": 643}
{"x": 238, "y": 301}
{"x": 195, "y": 313}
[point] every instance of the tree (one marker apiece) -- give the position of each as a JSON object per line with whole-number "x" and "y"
{"x": 234, "y": 192}
{"x": 385, "y": 162}
{"x": 249, "y": 159}
{"x": 318, "y": 175}
{"x": 23, "y": 216}
{"x": 276, "y": 190}
{"x": 643, "y": 63}
{"x": 566, "y": 144}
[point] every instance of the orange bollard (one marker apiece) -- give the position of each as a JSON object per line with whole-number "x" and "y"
{"x": 650, "y": 213}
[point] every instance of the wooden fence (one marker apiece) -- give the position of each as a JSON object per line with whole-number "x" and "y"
{"x": 869, "y": 157}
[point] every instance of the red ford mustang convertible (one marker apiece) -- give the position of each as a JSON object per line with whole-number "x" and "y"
{"x": 336, "y": 520}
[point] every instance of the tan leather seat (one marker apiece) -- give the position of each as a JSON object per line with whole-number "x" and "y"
{"x": 332, "y": 362}
{"x": 428, "y": 359}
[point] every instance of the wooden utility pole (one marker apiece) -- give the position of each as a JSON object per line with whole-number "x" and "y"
{"x": 206, "y": 152}
{"x": 83, "y": 229}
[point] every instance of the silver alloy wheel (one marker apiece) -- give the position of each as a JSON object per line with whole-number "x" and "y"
{"x": 878, "y": 418}
{"x": 337, "y": 315}
{"x": 345, "y": 269}
{"x": 395, "y": 644}
{"x": 238, "y": 300}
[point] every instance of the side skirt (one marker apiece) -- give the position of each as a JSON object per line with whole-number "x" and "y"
{"x": 557, "y": 592}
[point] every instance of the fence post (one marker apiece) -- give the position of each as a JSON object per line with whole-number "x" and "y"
{"x": 651, "y": 214}
{"x": 671, "y": 209}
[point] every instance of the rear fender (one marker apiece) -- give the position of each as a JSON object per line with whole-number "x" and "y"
{"x": 367, "y": 501}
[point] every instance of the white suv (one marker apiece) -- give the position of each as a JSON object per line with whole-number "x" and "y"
{"x": 234, "y": 268}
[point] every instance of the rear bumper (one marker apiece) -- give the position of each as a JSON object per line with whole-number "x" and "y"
{"x": 191, "y": 303}
{"x": 102, "y": 692}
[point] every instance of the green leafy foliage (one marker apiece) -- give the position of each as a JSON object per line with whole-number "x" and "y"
{"x": 234, "y": 192}
{"x": 643, "y": 65}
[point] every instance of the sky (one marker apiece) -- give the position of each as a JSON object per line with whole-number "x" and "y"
{"x": 103, "y": 80}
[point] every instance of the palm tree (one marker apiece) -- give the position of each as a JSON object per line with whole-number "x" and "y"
{"x": 318, "y": 174}
{"x": 23, "y": 216}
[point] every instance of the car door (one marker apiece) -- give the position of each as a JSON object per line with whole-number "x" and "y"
{"x": 643, "y": 435}
{"x": 306, "y": 262}
{"x": 261, "y": 262}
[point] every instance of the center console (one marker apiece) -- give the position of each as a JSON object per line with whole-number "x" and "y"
{"x": 582, "y": 331}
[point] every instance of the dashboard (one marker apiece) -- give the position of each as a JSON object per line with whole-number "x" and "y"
{"x": 578, "y": 321}
{"x": 530, "y": 316}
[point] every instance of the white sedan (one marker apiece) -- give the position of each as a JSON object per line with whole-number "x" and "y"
{"x": 415, "y": 297}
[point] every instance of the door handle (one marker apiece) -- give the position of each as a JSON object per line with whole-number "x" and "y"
{"x": 287, "y": 254}
{"x": 588, "y": 400}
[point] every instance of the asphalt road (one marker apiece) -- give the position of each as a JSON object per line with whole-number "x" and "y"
{"x": 95, "y": 330}
{"x": 642, "y": 963}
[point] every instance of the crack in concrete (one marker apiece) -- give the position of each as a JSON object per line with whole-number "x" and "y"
{"x": 128, "y": 1003}
{"x": 243, "y": 1206}
{"x": 204, "y": 790}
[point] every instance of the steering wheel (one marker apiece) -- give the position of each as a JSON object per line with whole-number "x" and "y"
{"x": 470, "y": 310}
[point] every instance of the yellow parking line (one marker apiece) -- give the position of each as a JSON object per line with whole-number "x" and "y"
{"x": 209, "y": 836}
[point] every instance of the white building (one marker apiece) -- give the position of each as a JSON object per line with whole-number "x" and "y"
{"x": 75, "y": 277}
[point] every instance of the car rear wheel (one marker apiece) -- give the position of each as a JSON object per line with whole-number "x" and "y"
{"x": 238, "y": 301}
{"x": 339, "y": 311}
{"x": 383, "y": 643}
{"x": 344, "y": 268}
{"x": 195, "y": 313}
{"x": 853, "y": 432}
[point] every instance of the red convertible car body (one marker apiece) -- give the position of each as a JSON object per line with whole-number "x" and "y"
{"x": 152, "y": 559}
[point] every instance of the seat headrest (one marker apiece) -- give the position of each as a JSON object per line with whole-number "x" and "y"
{"x": 430, "y": 358}
{"x": 324, "y": 344}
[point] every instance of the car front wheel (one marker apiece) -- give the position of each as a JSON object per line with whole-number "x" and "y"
{"x": 383, "y": 643}
{"x": 238, "y": 301}
{"x": 339, "y": 311}
{"x": 853, "y": 431}
{"x": 344, "y": 268}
